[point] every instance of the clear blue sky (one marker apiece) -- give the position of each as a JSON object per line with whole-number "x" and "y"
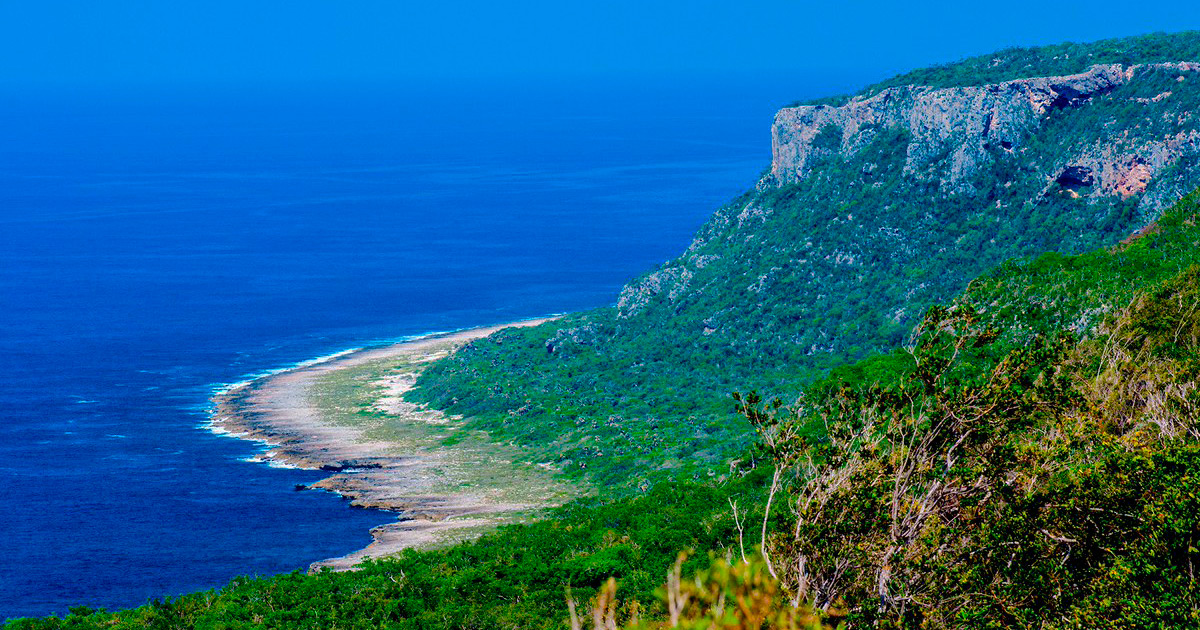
{"x": 112, "y": 42}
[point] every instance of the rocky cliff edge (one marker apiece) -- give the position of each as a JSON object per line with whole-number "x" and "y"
{"x": 954, "y": 131}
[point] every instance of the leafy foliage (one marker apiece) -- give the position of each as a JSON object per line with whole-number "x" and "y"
{"x": 728, "y": 595}
{"x": 1002, "y": 481}
{"x": 998, "y": 471}
{"x": 784, "y": 284}
{"x": 1074, "y": 293}
{"x": 992, "y": 473}
{"x": 1028, "y": 455}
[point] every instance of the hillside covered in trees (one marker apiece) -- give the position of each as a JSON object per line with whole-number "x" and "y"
{"x": 1030, "y": 458}
{"x": 968, "y": 391}
{"x": 870, "y": 213}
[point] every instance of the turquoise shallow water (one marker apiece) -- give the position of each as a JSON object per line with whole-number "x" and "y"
{"x": 156, "y": 246}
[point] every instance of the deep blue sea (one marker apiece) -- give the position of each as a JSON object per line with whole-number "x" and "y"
{"x": 155, "y": 244}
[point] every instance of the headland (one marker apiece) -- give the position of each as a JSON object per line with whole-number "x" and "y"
{"x": 346, "y": 414}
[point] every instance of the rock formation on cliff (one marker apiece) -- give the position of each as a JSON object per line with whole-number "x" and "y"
{"x": 954, "y": 132}
{"x": 875, "y": 207}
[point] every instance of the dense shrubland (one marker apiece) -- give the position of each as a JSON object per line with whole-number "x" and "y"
{"x": 1002, "y": 485}
{"x": 1029, "y": 456}
{"x": 1024, "y": 454}
{"x": 785, "y": 283}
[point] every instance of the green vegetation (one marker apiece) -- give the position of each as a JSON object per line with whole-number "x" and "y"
{"x": 785, "y": 283}
{"x": 1053, "y": 292}
{"x": 1042, "y": 61}
{"x": 1012, "y": 466}
{"x": 1031, "y": 458}
{"x": 513, "y": 578}
{"x": 1048, "y": 483}
{"x": 365, "y": 397}
{"x": 943, "y": 446}
{"x": 730, "y": 594}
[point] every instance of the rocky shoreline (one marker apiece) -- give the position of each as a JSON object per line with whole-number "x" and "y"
{"x": 293, "y": 421}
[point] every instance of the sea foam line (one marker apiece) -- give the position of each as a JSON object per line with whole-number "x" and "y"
{"x": 220, "y": 389}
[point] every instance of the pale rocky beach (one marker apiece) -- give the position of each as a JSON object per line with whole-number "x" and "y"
{"x": 347, "y": 415}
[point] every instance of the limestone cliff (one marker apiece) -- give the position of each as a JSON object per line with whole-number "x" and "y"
{"x": 965, "y": 175}
{"x": 874, "y": 208}
{"x": 955, "y": 131}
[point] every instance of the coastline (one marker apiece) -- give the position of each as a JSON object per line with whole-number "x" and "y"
{"x": 345, "y": 414}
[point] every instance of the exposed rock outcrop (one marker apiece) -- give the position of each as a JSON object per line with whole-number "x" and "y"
{"x": 956, "y": 131}
{"x": 1118, "y": 142}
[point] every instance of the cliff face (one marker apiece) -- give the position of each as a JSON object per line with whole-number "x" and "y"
{"x": 956, "y": 131}
{"x": 872, "y": 210}
{"x": 881, "y": 187}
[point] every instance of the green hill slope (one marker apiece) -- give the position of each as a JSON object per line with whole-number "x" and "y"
{"x": 969, "y": 443}
{"x": 1032, "y": 459}
{"x": 871, "y": 211}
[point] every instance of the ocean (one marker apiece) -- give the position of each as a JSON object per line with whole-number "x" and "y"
{"x": 156, "y": 244}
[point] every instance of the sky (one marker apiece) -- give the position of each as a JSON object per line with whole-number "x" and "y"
{"x": 183, "y": 42}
